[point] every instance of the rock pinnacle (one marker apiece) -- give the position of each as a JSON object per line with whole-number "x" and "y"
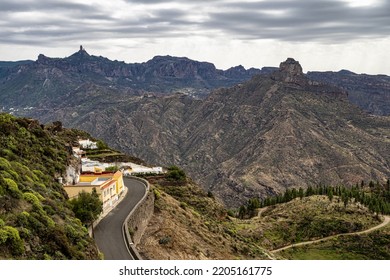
{"x": 290, "y": 71}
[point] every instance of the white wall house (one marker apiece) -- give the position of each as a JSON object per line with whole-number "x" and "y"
{"x": 88, "y": 144}
{"x": 133, "y": 168}
{"x": 129, "y": 168}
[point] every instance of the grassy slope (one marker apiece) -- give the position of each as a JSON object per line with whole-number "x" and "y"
{"x": 371, "y": 246}
{"x": 307, "y": 219}
{"x": 188, "y": 224}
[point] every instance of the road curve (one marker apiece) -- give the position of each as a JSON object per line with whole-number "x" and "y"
{"x": 385, "y": 222}
{"x": 108, "y": 233}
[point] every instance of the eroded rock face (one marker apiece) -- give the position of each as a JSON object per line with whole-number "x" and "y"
{"x": 292, "y": 67}
{"x": 290, "y": 71}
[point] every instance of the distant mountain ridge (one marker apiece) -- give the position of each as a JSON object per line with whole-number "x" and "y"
{"x": 49, "y": 82}
{"x": 369, "y": 92}
{"x": 55, "y": 79}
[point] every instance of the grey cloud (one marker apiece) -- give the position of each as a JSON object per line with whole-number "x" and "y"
{"x": 324, "y": 20}
{"x": 152, "y": 2}
{"x": 44, "y": 5}
{"x": 303, "y": 20}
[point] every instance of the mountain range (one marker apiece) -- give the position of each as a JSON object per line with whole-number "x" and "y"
{"x": 51, "y": 81}
{"x": 240, "y": 133}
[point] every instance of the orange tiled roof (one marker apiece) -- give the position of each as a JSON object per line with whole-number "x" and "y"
{"x": 106, "y": 184}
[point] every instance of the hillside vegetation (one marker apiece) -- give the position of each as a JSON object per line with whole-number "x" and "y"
{"x": 371, "y": 246}
{"x": 189, "y": 223}
{"x": 305, "y": 219}
{"x": 36, "y": 221}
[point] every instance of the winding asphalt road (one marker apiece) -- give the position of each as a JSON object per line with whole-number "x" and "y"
{"x": 108, "y": 233}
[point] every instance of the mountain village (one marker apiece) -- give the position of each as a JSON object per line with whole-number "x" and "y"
{"x": 105, "y": 178}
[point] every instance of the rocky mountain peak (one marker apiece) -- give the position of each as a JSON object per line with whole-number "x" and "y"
{"x": 290, "y": 71}
{"x": 81, "y": 54}
{"x": 291, "y": 67}
{"x": 42, "y": 58}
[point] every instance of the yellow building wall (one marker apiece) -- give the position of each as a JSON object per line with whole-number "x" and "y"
{"x": 73, "y": 191}
{"x": 107, "y": 194}
{"x": 118, "y": 177}
{"x": 87, "y": 178}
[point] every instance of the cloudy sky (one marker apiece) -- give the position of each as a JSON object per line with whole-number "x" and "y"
{"x": 321, "y": 34}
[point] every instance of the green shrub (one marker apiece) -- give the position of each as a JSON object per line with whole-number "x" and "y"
{"x": 40, "y": 186}
{"x": 22, "y": 218}
{"x": 49, "y": 210}
{"x": 4, "y": 164}
{"x": 176, "y": 174}
{"x": 5, "y": 174}
{"x": 48, "y": 221}
{"x": 33, "y": 199}
{"x": 165, "y": 240}
{"x": 28, "y": 179}
{"x": 39, "y": 174}
{"x": 157, "y": 194}
{"x": 112, "y": 169}
{"x": 20, "y": 168}
{"x": 12, "y": 188}
{"x": 3, "y": 236}
{"x": 10, "y": 236}
{"x": 24, "y": 233}
{"x": 14, "y": 174}
{"x": 35, "y": 224}
{"x": 73, "y": 233}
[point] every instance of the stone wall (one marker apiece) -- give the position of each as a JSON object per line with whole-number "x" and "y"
{"x": 139, "y": 219}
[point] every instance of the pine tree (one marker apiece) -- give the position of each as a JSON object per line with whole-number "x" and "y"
{"x": 301, "y": 193}
{"x": 330, "y": 194}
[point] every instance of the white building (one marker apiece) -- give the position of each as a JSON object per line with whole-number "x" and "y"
{"x": 132, "y": 168}
{"x": 88, "y": 144}
{"x": 129, "y": 168}
{"x": 88, "y": 165}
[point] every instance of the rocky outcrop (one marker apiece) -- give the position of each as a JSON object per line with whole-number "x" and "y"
{"x": 290, "y": 71}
